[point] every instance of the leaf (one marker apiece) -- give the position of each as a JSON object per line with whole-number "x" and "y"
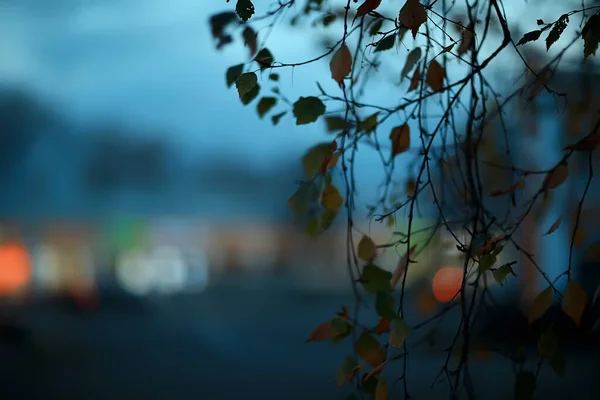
{"x": 381, "y": 391}
{"x": 412, "y": 15}
{"x": 400, "y": 137}
{"x": 274, "y": 77}
{"x": 386, "y": 43}
{"x": 376, "y": 27}
{"x": 524, "y": 385}
{"x": 244, "y": 9}
{"x": 591, "y": 36}
{"x": 401, "y": 268}
{"x": 398, "y": 333}
{"x": 414, "y": 82}
{"x": 384, "y": 305}
{"x": 558, "y": 363}
{"x": 264, "y": 105}
{"x": 574, "y": 302}
{"x": 218, "y": 23}
{"x": 314, "y": 157}
{"x": 328, "y": 19}
{"x": 486, "y": 262}
{"x": 556, "y": 177}
{"x": 511, "y": 189}
{"x": 411, "y": 60}
{"x": 369, "y": 349}
{"x": 245, "y": 83}
{"x": 554, "y": 226}
{"x": 275, "y": 118}
{"x": 540, "y": 305}
{"x": 468, "y": 35}
{"x": 334, "y": 159}
{"x": 382, "y": 325}
{"x": 335, "y": 123}
{"x": 547, "y": 345}
{"x": 233, "y": 73}
{"x": 375, "y": 279}
{"x": 540, "y": 22}
{"x": 374, "y": 372}
{"x": 448, "y": 48}
{"x": 369, "y": 124}
{"x": 366, "y": 7}
{"x": 346, "y": 370}
{"x": 302, "y": 199}
{"x": 323, "y": 331}
{"x": 341, "y": 64}
{"x": 588, "y": 143}
{"x": 331, "y": 199}
{"x": 264, "y": 59}
{"x": 501, "y": 273}
{"x": 556, "y": 31}
{"x": 435, "y": 76}
{"x": 249, "y": 37}
{"x": 530, "y": 37}
{"x": 251, "y": 95}
{"x": 308, "y": 110}
{"x": 366, "y": 249}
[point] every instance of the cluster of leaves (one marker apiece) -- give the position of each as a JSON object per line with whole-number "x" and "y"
{"x": 449, "y": 165}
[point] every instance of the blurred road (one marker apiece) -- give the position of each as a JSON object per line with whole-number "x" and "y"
{"x": 227, "y": 343}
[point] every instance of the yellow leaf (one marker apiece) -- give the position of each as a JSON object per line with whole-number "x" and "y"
{"x": 341, "y": 64}
{"x": 554, "y": 226}
{"x": 369, "y": 349}
{"x": 412, "y": 15}
{"x": 322, "y": 332}
{"x": 331, "y": 198}
{"x": 574, "y": 301}
{"x": 334, "y": 159}
{"x": 398, "y": 333}
{"x": 381, "y": 389}
{"x": 540, "y": 305}
{"x": 366, "y": 249}
{"x": 400, "y": 137}
{"x": 468, "y": 35}
{"x": 367, "y": 7}
{"x": 401, "y": 268}
{"x": 414, "y": 82}
{"x": 435, "y": 76}
{"x": 555, "y": 177}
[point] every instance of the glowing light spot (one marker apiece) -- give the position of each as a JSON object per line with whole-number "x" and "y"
{"x": 446, "y": 283}
{"x": 15, "y": 267}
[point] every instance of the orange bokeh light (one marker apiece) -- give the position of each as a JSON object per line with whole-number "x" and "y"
{"x": 15, "y": 267}
{"x": 447, "y": 283}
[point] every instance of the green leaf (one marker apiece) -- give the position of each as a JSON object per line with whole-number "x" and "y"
{"x": 384, "y": 305}
{"x": 366, "y": 249}
{"x": 530, "y": 37}
{"x": 386, "y": 43}
{"x": 308, "y": 110}
{"x": 331, "y": 199}
{"x": 244, "y": 9}
{"x": 547, "y": 344}
{"x": 411, "y": 60}
{"x": 264, "y": 105}
{"x": 251, "y": 95}
{"x": 574, "y": 301}
{"x": 540, "y": 305}
{"x": 275, "y": 118}
{"x": 346, "y": 370}
{"x": 369, "y": 349}
{"x": 557, "y": 30}
{"x": 233, "y": 73}
{"x": 558, "y": 363}
{"x": 245, "y": 83}
{"x": 369, "y": 124}
{"x": 398, "y": 333}
{"x": 525, "y": 386}
{"x": 375, "y": 279}
{"x": 314, "y": 157}
{"x": 302, "y": 199}
{"x": 501, "y": 273}
{"x": 591, "y": 36}
{"x": 274, "y": 77}
{"x": 335, "y": 123}
{"x": 376, "y": 27}
{"x": 264, "y": 58}
{"x": 319, "y": 224}
{"x": 486, "y": 262}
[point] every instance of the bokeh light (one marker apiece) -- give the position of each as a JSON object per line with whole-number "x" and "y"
{"x": 15, "y": 267}
{"x": 447, "y": 283}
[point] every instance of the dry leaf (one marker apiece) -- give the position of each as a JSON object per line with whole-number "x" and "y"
{"x": 400, "y": 137}
{"x": 322, "y": 332}
{"x": 382, "y": 326}
{"x": 435, "y": 76}
{"x": 412, "y": 15}
{"x": 414, "y": 82}
{"x": 341, "y": 64}
{"x": 540, "y": 305}
{"x": 588, "y": 143}
{"x": 366, "y": 249}
{"x": 512, "y": 188}
{"x": 554, "y": 226}
{"x": 401, "y": 268}
{"x": 375, "y": 371}
{"x": 574, "y": 302}
{"x": 249, "y": 37}
{"x": 555, "y": 177}
{"x": 366, "y": 7}
{"x": 468, "y": 35}
{"x": 411, "y": 60}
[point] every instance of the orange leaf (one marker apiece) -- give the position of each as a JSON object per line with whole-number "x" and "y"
{"x": 412, "y": 15}
{"x": 555, "y": 177}
{"x": 435, "y": 76}
{"x": 414, "y": 82}
{"x": 554, "y": 226}
{"x": 512, "y": 188}
{"x": 334, "y": 159}
{"x": 375, "y": 371}
{"x": 367, "y": 7}
{"x": 322, "y": 332}
{"x": 401, "y": 268}
{"x": 382, "y": 326}
{"x": 400, "y": 138}
{"x": 341, "y": 64}
{"x": 574, "y": 302}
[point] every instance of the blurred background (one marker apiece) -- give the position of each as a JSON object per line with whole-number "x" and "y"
{"x": 146, "y": 246}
